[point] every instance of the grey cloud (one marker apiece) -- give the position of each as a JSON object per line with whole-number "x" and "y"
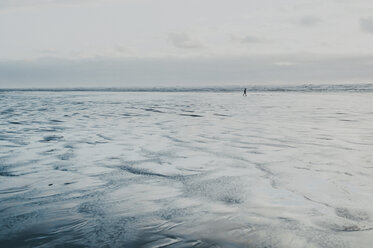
{"x": 309, "y": 21}
{"x": 247, "y": 39}
{"x": 182, "y": 40}
{"x": 120, "y": 48}
{"x": 366, "y": 24}
{"x": 9, "y": 4}
{"x": 184, "y": 72}
{"x": 46, "y": 51}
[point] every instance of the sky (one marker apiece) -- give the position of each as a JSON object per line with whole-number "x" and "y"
{"x": 120, "y": 43}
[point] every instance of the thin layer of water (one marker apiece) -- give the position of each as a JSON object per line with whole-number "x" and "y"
{"x": 156, "y": 169}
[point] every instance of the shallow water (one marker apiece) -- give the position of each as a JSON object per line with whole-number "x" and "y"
{"x": 187, "y": 169}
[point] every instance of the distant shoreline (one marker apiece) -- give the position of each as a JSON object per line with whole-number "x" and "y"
{"x": 256, "y": 88}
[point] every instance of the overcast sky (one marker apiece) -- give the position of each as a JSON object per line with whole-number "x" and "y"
{"x": 77, "y": 43}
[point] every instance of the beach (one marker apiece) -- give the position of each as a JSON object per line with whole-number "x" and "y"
{"x": 186, "y": 169}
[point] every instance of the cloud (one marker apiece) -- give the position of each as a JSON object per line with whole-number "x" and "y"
{"x": 123, "y": 49}
{"x": 309, "y": 21}
{"x": 247, "y": 39}
{"x": 182, "y": 40}
{"x": 193, "y": 71}
{"x": 46, "y": 51}
{"x": 27, "y": 3}
{"x": 366, "y": 24}
{"x": 284, "y": 63}
{"x": 19, "y": 4}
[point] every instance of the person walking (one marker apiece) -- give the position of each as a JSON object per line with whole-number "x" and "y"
{"x": 244, "y": 92}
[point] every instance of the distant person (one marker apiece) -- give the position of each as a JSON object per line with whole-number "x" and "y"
{"x": 244, "y": 92}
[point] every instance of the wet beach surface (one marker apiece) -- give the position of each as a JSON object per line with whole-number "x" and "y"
{"x": 161, "y": 169}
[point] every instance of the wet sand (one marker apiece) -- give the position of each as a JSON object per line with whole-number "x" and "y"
{"x": 192, "y": 169}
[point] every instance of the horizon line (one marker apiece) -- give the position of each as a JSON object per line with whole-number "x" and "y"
{"x": 234, "y": 88}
